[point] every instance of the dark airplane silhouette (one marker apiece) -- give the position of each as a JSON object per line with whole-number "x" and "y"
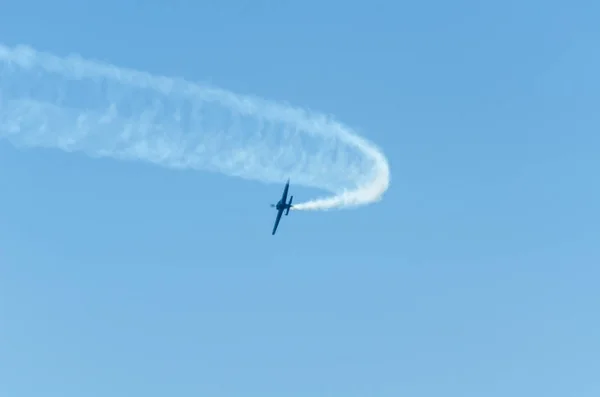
{"x": 282, "y": 205}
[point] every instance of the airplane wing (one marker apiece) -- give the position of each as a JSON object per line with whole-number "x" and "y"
{"x": 285, "y": 192}
{"x": 279, "y": 213}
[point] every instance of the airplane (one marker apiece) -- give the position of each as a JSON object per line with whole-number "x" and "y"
{"x": 282, "y": 205}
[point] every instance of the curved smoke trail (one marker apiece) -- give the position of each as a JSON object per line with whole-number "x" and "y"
{"x": 102, "y": 110}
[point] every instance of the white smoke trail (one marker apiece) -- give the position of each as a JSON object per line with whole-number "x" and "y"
{"x": 102, "y": 110}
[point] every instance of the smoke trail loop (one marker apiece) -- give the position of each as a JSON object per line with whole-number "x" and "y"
{"x": 74, "y": 104}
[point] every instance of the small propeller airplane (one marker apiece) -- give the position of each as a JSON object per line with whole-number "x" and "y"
{"x": 282, "y": 206}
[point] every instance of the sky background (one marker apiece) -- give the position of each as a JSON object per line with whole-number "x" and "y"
{"x": 477, "y": 275}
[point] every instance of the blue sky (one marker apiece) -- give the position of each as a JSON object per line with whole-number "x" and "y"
{"x": 475, "y": 276}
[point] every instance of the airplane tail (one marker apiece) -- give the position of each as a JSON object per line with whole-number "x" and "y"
{"x": 289, "y": 205}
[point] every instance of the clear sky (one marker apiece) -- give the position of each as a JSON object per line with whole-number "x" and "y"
{"x": 477, "y": 275}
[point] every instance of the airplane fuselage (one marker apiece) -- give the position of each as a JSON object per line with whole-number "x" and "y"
{"x": 281, "y": 206}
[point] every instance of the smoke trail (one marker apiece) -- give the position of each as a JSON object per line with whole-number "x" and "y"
{"x": 102, "y": 110}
